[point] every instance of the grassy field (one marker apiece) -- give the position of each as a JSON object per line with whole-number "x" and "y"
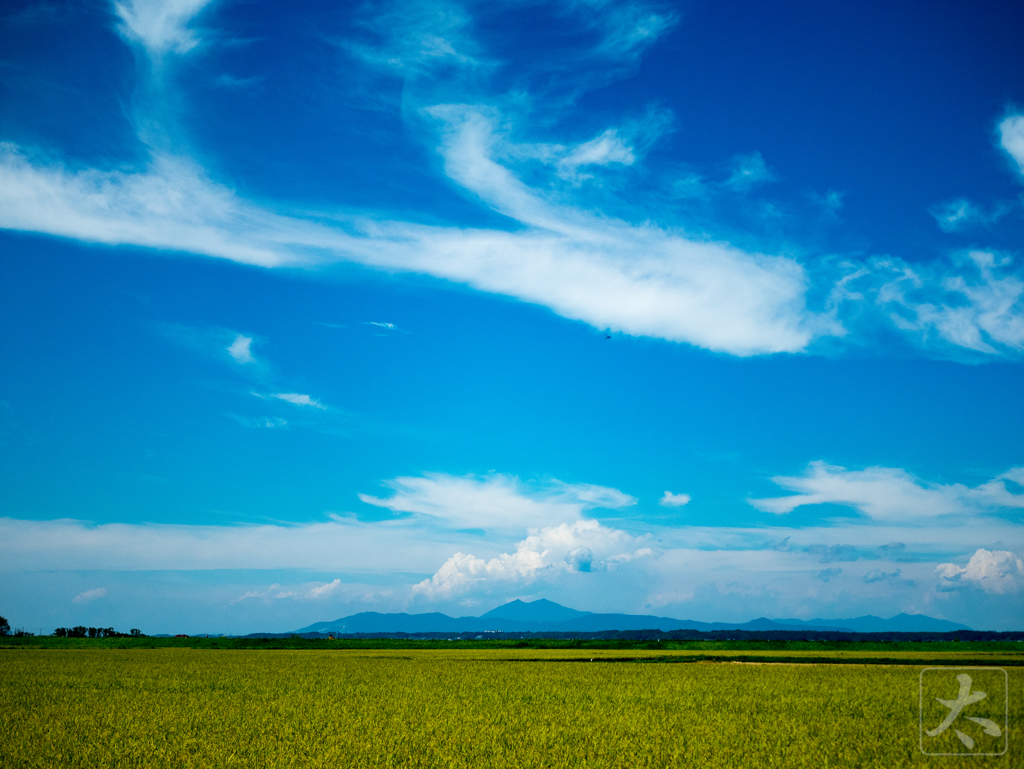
{"x": 474, "y": 707}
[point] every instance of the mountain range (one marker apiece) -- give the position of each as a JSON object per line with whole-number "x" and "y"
{"x": 543, "y": 616}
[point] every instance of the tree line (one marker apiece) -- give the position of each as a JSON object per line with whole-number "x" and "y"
{"x": 79, "y": 631}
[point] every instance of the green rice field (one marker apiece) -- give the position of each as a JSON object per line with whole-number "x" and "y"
{"x": 474, "y": 707}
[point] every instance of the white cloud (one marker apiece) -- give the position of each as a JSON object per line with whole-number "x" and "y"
{"x": 636, "y": 279}
{"x": 241, "y": 349}
{"x": 327, "y": 589}
{"x": 415, "y": 39}
{"x": 169, "y": 205}
{"x": 892, "y": 494}
{"x": 70, "y": 545}
{"x": 986, "y": 316}
{"x": 299, "y": 399}
{"x": 1011, "y": 138}
{"x": 160, "y": 26}
{"x": 495, "y": 501}
{"x": 90, "y": 595}
{"x": 627, "y": 571}
{"x": 674, "y": 500}
{"x": 992, "y": 311}
{"x": 584, "y": 545}
{"x": 605, "y": 149}
{"x": 315, "y": 592}
{"x": 998, "y": 571}
{"x": 627, "y": 27}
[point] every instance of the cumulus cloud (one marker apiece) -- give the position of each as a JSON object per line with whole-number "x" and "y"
{"x": 891, "y": 494}
{"x": 583, "y": 546}
{"x": 160, "y": 26}
{"x": 590, "y": 565}
{"x": 241, "y": 349}
{"x": 998, "y": 571}
{"x": 299, "y": 399}
{"x": 674, "y": 500}
{"x": 90, "y": 595}
{"x": 1011, "y": 138}
{"x": 495, "y": 501}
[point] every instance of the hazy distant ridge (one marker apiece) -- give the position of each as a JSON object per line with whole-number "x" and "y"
{"x": 547, "y": 616}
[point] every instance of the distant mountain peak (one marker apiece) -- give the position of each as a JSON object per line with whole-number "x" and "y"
{"x": 547, "y": 616}
{"x": 541, "y": 610}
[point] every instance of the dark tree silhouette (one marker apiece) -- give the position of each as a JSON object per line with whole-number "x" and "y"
{"x": 5, "y": 627}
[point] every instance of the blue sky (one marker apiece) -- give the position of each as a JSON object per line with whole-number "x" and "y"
{"x": 708, "y": 310}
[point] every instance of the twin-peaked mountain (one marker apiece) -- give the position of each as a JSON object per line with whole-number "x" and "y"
{"x": 545, "y": 616}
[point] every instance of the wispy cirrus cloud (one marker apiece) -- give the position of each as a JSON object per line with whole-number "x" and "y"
{"x": 625, "y": 28}
{"x": 961, "y": 214}
{"x": 258, "y": 423}
{"x": 90, "y": 595}
{"x": 637, "y": 279}
{"x": 985, "y": 312}
{"x": 415, "y": 40}
{"x": 299, "y": 399}
{"x": 603, "y": 150}
{"x": 749, "y": 171}
{"x": 891, "y": 494}
{"x": 495, "y": 501}
{"x": 223, "y": 344}
{"x": 160, "y": 26}
{"x": 642, "y": 279}
{"x": 317, "y": 591}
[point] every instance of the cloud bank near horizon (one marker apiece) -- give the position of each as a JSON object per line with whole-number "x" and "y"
{"x": 567, "y": 549}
